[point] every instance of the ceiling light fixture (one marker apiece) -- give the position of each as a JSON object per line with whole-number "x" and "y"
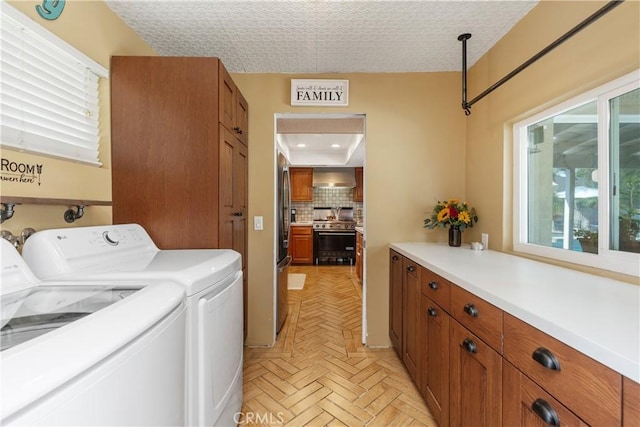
{"x": 335, "y": 145}
{"x": 301, "y": 145}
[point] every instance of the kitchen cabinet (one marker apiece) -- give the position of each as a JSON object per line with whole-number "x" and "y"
{"x": 476, "y": 380}
{"x": 527, "y": 405}
{"x": 480, "y": 365}
{"x": 411, "y": 318}
{"x": 435, "y": 320}
{"x": 359, "y": 253}
{"x": 301, "y": 244}
{"x": 435, "y": 358}
{"x": 179, "y": 165}
{"x": 301, "y": 184}
{"x": 358, "y": 191}
{"x": 630, "y": 403}
{"x": 589, "y": 389}
{"x": 234, "y": 110}
{"x": 395, "y": 301}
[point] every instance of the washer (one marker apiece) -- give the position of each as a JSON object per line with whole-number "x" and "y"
{"x": 89, "y": 353}
{"x": 212, "y": 279}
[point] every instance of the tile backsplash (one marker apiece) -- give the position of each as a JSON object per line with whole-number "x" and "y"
{"x": 328, "y": 197}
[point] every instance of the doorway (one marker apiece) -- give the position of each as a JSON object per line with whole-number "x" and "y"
{"x": 321, "y": 146}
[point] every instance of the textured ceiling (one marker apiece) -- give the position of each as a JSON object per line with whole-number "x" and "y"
{"x": 316, "y": 36}
{"x": 323, "y": 36}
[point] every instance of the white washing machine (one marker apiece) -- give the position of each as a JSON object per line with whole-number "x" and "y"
{"x": 89, "y": 353}
{"x": 212, "y": 279}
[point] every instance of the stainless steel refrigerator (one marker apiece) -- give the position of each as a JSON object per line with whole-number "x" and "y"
{"x": 283, "y": 259}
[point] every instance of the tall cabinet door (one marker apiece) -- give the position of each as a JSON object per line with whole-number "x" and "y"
{"x": 476, "y": 380}
{"x": 395, "y": 301}
{"x": 411, "y": 319}
{"x": 435, "y": 359}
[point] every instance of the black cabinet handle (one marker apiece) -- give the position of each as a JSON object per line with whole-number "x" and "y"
{"x": 411, "y": 269}
{"x": 394, "y": 258}
{"x": 471, "y": 310}
{"x": 545, "y": 412}
{"x": 237, "y": 214}
{"x": 433, "y": 285}
{"x": 546, "y": 359}
{"x": 469, "y": 345}
{"x": 432, "y": 312}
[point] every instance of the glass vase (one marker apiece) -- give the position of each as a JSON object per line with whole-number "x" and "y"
{"x": 455, "y": 236}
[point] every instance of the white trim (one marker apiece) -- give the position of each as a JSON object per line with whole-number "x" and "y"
{"x": 606, "y": 259}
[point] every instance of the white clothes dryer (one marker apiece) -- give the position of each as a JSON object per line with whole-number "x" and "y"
{"x": 212, "y": 279}
{"x": 89, "y": 353}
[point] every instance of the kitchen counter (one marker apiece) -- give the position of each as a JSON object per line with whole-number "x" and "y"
{"x": 598, "y": 316}
{"x": 359, "y": 229}
{"x": 302, "y": 224}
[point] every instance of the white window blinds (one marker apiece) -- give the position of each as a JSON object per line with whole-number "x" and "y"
{"x": 48, "y": 92}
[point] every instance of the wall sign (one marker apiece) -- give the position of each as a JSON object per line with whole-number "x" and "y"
{"x": 50, "y": 9}
{"x": 322, "y": 93}
{"x": 22, "y": 173}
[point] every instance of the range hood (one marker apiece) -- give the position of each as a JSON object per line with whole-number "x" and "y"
{"x": 334, "y": 177}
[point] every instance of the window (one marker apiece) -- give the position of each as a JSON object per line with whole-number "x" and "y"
{"x": 577, "y": 179}
{"x": 49, "y": 92}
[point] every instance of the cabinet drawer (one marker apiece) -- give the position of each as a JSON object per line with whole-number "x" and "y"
{"x": 526, "y": 404}
{"x": 436, "y": 288}
{"x": 301, "y": 230}
{"x": 479, "y": 316}
{"x": 589, "y": 389}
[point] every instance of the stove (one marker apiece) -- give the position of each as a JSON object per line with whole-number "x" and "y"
{"x": 334, "y": 236}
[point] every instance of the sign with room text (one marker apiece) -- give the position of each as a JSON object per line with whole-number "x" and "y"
{"x": 320, "y": 93}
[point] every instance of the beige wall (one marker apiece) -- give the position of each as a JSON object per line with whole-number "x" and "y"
{"x": 93, "y": 29}
{"x": 414, "y": 155}
{"x": 607, "y": 49}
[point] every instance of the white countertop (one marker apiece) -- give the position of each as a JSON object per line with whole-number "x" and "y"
{"x": 302, "y": 224}
{"x": 359, "y": 229}
{"x": 598, "y": 316}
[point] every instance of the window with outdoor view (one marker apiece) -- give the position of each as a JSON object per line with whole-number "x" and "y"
{"x": 577, "y": 179}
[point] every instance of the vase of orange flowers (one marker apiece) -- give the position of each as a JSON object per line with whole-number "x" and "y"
{"x": 455, "y": 215}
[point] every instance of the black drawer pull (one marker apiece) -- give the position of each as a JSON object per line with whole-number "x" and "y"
{"x": 411, "y": 269}
{"x": 546, "y": 359}
{"x": 471, "y": 310}
{"x": 394, "y": 258}
{"x": 469, "y": 345}
{"x": 433, "y": 285}
{"x": 432, "y": 312}
{"x": 545, "y": 412}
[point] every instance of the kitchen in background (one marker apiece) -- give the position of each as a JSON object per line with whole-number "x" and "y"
{"x": 329, "y": 197}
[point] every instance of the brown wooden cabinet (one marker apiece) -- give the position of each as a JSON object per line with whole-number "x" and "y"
{"x": 395, "y": 301}
{"x": 477, "y": 365}
{"x": 476, "y": 380}
{"x": 411, "y": 318}
{"x": 589, "y": 389}
{"x": 630, "y": 403}
{"x": 358, "y": 191}
{"x": 234, "y": 110}
{"x": 525, "y": 404}
{"x": 179, "y": 168}
{"x": 435, "y": 324}
{"x": 301, "y": 184}
{"x": 301, "y": 244}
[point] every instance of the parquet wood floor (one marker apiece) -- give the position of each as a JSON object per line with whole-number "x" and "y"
{"x": 319, "y": 373}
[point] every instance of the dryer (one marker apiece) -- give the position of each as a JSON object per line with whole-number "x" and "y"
{"x": 212, "y": 279}
{"x": 89, "y": 353}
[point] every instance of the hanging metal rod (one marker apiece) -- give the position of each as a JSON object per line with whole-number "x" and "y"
{"x": 466, "y": 106}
